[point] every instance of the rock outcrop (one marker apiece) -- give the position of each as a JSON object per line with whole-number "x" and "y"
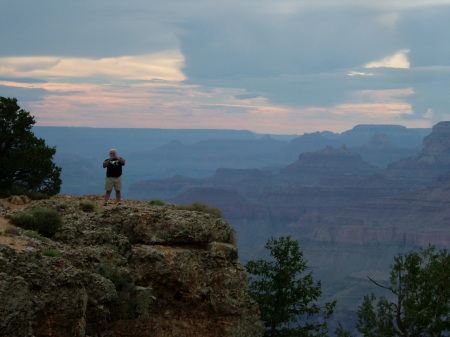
{"x": 381, "y": 152}
{"x": 134, "y": 270}
{"x": 426, "y": 166}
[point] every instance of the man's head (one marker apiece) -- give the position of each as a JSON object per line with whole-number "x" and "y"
{"x": 113, "y": 153}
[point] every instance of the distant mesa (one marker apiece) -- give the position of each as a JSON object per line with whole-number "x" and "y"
{"x": 329, "y": 166}
{"x": 379, "y": 141}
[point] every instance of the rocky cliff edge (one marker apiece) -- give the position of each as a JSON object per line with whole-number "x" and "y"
{"x": 133, "y": 270}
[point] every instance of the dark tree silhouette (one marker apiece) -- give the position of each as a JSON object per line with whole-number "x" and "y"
{"x": 26, "y": 162}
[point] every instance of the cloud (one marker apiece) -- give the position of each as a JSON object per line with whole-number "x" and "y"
{"x": 247, "y": 96}
{"x": 22, "y": 79}
{"x": 398, "y": 60}
{"x": 359, "y": 73}
{"x": 164, "y": 65}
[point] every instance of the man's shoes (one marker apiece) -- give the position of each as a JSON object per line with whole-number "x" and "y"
{"x": 119, "y": 203}
{"x": 105, "y": 203}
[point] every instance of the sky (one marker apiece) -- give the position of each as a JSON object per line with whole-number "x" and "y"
{"x": 269, "y": 66}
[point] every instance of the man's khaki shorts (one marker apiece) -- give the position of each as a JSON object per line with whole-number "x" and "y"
{"x": 113, "y": 182}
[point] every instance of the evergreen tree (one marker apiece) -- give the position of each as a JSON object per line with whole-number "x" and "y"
{"x": 418, "y": 300}
{"x": 420, "y": 307}
{"x": 286, "y": 297}
{"x": 26, "y": 162}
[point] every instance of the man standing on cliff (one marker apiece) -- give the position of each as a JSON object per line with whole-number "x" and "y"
{"x": 113, "y": 175}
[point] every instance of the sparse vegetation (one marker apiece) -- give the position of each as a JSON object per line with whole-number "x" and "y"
{"x": 124, "y": 306}
{"x": 88, "y": 206}
{"x": 51, "y": 252}
{"x": 35, "y": 235}
{"x": 45, "y": 221}
{"x": 112, "y": 272}
{"x": 157, "y": 202}
{"x": 203, "y": 208}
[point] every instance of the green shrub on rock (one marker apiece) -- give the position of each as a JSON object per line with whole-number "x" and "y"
{"x": 203, "y": 208}
{"x": 88, "y": 206}
{"x": 35, "y": 235}
{"x": 157, "y": 202}
{"x": 51, "y": 252}
{"x": 45, "y": 221}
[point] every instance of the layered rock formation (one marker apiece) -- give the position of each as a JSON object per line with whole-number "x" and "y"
{"x": 328, "y": 167}
{"x": 133, "y": 270}
{"x": 428, "y": 164}
{"x": 416, "y": 218}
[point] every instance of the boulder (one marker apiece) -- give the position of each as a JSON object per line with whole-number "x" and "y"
{"x": 133, "y": 270}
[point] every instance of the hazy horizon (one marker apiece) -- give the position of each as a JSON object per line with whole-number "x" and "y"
{"x": 225, "y": 130}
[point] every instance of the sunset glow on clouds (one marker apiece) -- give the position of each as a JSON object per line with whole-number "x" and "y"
{"x": 270, "y": 67}
{"x": 398, "y": 60}
{"x": 164, "y": 66}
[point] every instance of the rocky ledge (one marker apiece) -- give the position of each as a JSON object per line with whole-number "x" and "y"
{"x": 133, "y": 270}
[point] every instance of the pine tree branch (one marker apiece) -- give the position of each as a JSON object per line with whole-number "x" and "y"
{"x": 381, "y": 286}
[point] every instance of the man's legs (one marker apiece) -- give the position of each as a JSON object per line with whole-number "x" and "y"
{"x": 110, "y": 184}
{"x": 118, "y": 188}
{"x": 107, "y": 196}
{"x": 108, "y": 188}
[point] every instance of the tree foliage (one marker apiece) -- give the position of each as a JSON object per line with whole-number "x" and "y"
{"x": 418, "y": 304}
{"x": 25, "y": 159}
{"x": 285, "y": 294}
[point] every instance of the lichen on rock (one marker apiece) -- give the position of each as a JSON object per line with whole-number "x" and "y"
{"x": 134, "y": 270}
